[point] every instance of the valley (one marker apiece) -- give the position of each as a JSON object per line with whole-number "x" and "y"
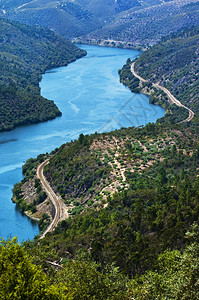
{"x": 116, "y": 190}
{"x": 81, "y": 99}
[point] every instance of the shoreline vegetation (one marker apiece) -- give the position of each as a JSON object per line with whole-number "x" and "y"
{"x": 27, "y": 52}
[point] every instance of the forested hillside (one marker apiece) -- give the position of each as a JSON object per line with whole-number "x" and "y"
{"x": 123, "y": 221}
{"x": 146, "y": 25}
{"x": 25, "y": 53}
{"x": 65, "y": 17}
{"x": 172, "y": 63}
{"x": 132, "y": 194}
{"x": 69, "y": 18}
{"x": 133, "y": 200}
{"x": 132, "y": 22}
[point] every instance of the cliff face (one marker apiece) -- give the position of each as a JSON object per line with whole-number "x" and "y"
{"x": 32, "y": 200}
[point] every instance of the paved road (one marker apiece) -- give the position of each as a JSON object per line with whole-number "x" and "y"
{"x": 53, "y": 198}
{"x": 171, "y": 97}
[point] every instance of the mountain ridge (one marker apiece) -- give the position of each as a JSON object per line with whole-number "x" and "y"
{"x": 133, "y": 22}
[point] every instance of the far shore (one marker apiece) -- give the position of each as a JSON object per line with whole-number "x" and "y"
{"x": 109, "y": 43}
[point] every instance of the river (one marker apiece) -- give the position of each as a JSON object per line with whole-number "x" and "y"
{"x": 91, "y": 98}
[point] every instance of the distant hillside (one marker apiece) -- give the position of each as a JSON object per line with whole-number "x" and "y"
{"x": 135, "y": 21}
{"x": 105, "y": 9}
{"x": 146, "y": 26}
{"x": 67, "y": 18}
{"x": 25, "y": 53}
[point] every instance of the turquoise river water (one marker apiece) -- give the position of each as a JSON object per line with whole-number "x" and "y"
{"x": 91, "y": 98}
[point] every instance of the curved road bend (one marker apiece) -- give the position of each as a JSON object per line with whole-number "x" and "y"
{"x": 171, "y": 97}
{"x": 57, "y": 203}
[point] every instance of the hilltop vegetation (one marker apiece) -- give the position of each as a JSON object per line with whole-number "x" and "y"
{"x": 127, "y": 221}
{"x": 26, "y": 53}
{"x": 139, "y": 200}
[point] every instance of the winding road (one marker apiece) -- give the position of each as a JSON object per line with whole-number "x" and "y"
{"x": 171, "y": 97}
{"x": 61, "y": 211}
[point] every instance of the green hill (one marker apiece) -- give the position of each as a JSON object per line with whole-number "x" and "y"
{"x": 25, "y": 53}
{"x": 68, "y": 18}
{"x": 173, "y": 63}
{"x": 120, "y": 224}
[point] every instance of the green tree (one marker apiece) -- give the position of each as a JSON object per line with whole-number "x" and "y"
{"x": 161, "y": 177}
{"x": 85, "y": 281}
{"x": 19, "y": 277}
{"x": 176, "y": 276}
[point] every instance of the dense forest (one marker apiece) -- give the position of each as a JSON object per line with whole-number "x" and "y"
{"x": 138, "y": 239}
{"x": 133, "y": 203}
{"x": 25, "y": 53}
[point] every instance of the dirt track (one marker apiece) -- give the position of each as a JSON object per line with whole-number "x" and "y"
{"x": 171, "y": 97}
{"x": 61, "y": 211}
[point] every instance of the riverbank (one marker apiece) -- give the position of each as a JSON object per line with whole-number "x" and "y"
{"x": 108, "y": 43}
